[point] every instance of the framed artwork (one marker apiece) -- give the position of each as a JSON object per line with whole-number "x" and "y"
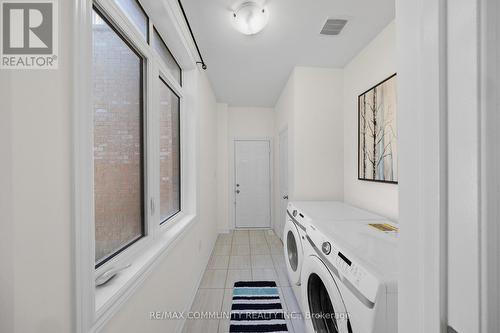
{"x": 377, "y": 133}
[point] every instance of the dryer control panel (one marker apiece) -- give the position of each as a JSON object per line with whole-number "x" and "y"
{"x": 346, "y": 268}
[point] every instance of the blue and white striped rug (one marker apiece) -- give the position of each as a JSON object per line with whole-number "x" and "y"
{"x": 257, "y": 308}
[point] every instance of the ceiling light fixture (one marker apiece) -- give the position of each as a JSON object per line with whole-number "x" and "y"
{"x": 250, "y": 18}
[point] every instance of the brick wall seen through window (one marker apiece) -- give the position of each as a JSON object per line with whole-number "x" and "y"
{"x": 118, "y": 150}
{"x": 169, "y": 153}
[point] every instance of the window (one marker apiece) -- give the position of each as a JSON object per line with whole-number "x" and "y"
{"x": 136, "y": 14}
{"x": 167, "y": 57}
{"x": 169, "y": 153}
{"x": 128, "y": 166}
{"x": 118, "y": 141}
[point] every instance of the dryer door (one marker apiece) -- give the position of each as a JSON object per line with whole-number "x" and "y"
{"x": 293, "y": 251}
{"x": 324, "y": 307}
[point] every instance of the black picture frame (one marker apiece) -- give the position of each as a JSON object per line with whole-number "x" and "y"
{"x": 359, "y": 133}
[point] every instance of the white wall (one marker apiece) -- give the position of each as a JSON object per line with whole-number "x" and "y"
{"x": 223, "y": 200}
{"x": 318, "y": 134}
{"x": 36, "y": 289}
{"x": 250, "y": 122}
{"x": 207, "y": 173}
{"x": 374, "y": 63}
{"x": 310, "y": 107}
{"x": 36, "y": 283}
{"x": 284, "y": 111}
{"x": 6, "y": 228}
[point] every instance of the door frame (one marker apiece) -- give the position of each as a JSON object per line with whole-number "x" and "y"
{"x": 232, "y": 174}
{"x": 489, "y": 14}
{"x": 448, "y": 230}
{"x": 277, "y": 218}
{"x": 422, "y": 131}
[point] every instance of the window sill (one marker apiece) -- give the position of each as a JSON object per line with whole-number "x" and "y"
{"x": 110, "y": 297}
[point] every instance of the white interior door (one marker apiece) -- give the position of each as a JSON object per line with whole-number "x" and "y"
{"x": 252, "y": 183}
{"x": 283, "y": 182}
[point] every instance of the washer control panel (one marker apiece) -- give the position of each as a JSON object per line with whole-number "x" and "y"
{"x": 348, "y": 269}
{"x": 352, "y": 271}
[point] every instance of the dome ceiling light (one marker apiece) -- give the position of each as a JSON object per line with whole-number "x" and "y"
{"x": 250, "y": 18}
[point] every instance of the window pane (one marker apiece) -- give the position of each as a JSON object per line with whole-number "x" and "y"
{"x": 136, "y": 14}
{"x": 167, "y": 57}
{"x": 170, "y": 202}
{"x": 118, "y": 150}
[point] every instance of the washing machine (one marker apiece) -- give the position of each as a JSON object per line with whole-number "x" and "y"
{"x": 349, "y": 277}
{"x": 300, "y": 214}
{"x": 294, "y": 237}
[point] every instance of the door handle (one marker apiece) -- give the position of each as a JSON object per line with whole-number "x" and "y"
{"x": 285, "y": 197}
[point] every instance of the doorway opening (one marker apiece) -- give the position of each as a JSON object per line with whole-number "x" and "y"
{"x": 252, "y": 183}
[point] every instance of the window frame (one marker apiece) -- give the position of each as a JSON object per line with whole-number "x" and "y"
{"x": 128, "y": 31}
{"x": 163, "y": 72}
{"x": 153, "y": 63}
{"x": 148, "y": 20}
{"x": 179, "y": 108}
{"x": 143, "y": 132}
{"x": 95, "y": 306}
{"x": 154, "y": 30}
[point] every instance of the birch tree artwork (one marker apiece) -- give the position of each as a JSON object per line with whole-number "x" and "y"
{"x": 377, "y": 134}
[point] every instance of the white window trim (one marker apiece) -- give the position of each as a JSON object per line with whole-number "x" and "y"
{"x": 95, "y": 306}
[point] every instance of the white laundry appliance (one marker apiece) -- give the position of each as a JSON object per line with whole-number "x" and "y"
{"x": 300, "y": 214}
{"x": 294, "y": 237}
{"x": 349, "y": 277}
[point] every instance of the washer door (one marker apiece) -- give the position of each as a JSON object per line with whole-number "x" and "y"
{"x": 293, "y": 251}
{"x": 323, "y": 304}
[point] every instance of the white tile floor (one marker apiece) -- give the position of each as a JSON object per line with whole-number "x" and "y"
{"x": 250, "y": 255}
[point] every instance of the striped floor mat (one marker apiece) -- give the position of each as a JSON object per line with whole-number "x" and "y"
{"x": 257, "y": 308}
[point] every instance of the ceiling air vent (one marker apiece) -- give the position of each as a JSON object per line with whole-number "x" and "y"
{"x": 333, "y": 27}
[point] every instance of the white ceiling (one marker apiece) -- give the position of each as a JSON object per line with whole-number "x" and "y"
{"x": 252, "y": 70}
